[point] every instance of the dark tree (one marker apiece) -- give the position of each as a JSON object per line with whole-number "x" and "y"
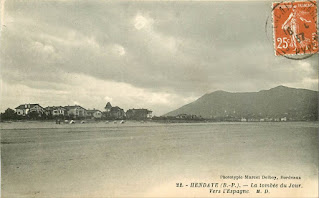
{"x": 9, "y": 114}
{"x": 34, "y": 115}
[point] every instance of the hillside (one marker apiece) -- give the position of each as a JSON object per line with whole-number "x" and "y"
{"x": 279, "y": 101}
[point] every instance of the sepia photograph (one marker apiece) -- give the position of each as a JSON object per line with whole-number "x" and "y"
{"x": 159, "y": 98}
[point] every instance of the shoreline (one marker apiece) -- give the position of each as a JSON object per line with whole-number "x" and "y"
{"x": 86, "y": 121}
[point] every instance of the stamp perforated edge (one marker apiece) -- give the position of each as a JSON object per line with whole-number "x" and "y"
{"x": 273, "y": 25}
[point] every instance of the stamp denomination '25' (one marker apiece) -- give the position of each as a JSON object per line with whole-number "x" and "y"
{"x": 295, "y": 28}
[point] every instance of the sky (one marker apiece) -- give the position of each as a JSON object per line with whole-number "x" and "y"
{"x": 139, "y": 54}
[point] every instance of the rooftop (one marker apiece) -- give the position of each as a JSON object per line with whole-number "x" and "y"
{"x": 26, "y": 106}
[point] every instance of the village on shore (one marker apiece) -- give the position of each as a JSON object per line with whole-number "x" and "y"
{"x": 77, "y": 112}
{"x": 74, "y": 112}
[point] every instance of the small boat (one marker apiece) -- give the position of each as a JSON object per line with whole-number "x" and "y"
{"x": 72, "y": 122}
{"x": 82, "y": 122}
{"x": 122, "y": 122}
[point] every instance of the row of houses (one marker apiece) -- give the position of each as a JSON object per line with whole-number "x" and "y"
{"x": 78, "y": 112}
{"x": 283, "y": 119}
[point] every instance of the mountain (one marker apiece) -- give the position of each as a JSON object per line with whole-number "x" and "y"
{"x": 298, "y": 104}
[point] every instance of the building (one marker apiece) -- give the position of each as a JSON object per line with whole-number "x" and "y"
{"x": 138, "y": 114}
{"x": 182, "y": 116}
{"x": 55, "y": 111}
{"x": 94, "y": 114}
{"x": 253, "y": 120}
{"x": 113, "y": 112}
{"x": 26, "y": 109}
{"x": 108, "y": 107}
{"x": 75, "y": 111}
{"x": 116, "y": 113}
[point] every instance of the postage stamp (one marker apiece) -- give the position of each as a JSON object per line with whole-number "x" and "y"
{"x": 295, "y": 28}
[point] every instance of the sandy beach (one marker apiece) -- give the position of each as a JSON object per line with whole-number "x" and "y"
{"x": 148, "y": 159}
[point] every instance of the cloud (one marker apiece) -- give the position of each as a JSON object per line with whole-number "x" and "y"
{"x": 107, "y": 98}
{"x": 165, "y": 53}
{"x": 118, "y": 50}
{"x": 78, "y": 91}
{"x": 141, "y": 22}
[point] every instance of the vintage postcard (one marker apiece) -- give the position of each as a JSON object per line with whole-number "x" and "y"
{"x": 158, "y": 99}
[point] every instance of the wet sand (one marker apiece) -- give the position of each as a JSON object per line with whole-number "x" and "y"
{"x": 148, "y": 159}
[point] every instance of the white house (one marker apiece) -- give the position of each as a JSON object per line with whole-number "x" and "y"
{"x": 55, "y": 111}
{"x": 75, "y": 111}
{"x": 243, "y": 120}
{"x": 97, "y": 114}
{"x": 25, "y": 109}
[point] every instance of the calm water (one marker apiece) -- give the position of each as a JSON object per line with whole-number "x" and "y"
{"x": 147, "y": 159}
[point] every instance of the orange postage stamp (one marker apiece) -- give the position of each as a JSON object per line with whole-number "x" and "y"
{"x": 295, "y": 28}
